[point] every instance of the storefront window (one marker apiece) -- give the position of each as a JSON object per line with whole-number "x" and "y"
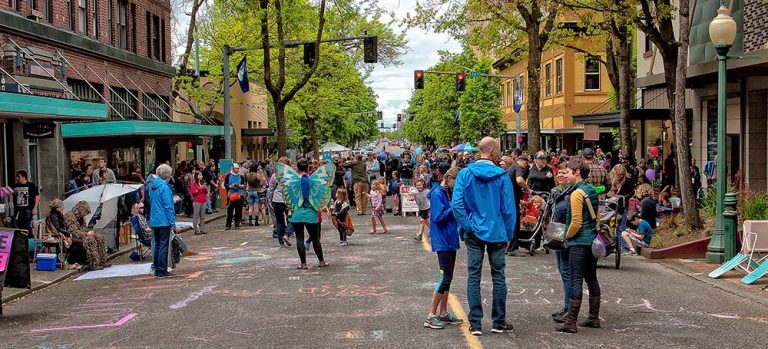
{"x": 79, "y": 159}
{"x": 122, "y": 159}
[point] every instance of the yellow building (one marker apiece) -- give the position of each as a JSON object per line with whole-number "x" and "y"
{"x": 250, "y": 126}
{"x": 571, "y": 84}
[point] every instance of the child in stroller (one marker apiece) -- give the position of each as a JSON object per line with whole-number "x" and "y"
{"x": 532, "y": 212}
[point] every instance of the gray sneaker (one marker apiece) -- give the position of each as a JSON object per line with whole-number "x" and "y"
{"x": 451, "y": 319}
{"x": 434, "y": 323}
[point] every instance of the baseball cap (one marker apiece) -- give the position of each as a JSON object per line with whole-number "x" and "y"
{"x": 588, "y": 153}
{"x": 235, "y": 165}
{"x": 541, "y": 156}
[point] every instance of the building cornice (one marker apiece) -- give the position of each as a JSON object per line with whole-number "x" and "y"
{"x": 62, "y": 38}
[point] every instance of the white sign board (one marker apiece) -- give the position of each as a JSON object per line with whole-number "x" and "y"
{"x": 407, "y": 200}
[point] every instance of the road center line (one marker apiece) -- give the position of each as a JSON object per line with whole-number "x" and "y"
{"x": 453, "y": 303}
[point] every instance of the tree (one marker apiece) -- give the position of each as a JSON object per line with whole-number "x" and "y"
{"x": 608, "y": 19}
{"x": 655, "y": 19}
{"x": 502, "y": 28}
{"x": 479, "y": 107}
{"x": 279, "y": 61}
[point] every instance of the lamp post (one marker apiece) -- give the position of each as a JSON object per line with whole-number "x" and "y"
{"x": 722, "y": 31}
{"x": 227, "y": 51}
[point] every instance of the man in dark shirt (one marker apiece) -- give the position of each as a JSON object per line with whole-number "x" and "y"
{"x": 518, "y": 172}
{"x": 26, "y": 199}
{"x": 541, "y": 178}
{"x": 406, "y": 169}
{"x": 392, "y": 165}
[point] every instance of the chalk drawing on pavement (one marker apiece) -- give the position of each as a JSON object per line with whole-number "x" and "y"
{"x": 192, "y": 297}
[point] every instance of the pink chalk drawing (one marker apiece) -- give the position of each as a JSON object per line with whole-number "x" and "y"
{"x": 122, "y": 321}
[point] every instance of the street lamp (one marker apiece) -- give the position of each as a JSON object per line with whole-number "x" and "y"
{"x": 722, "y": 31}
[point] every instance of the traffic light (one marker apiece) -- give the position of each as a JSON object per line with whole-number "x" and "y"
{"x": 418, "y": 79}
{"x": 309, "y": 53}
{"x": 461, "y": 82}
{"x": 382, "y": 125}
{"x": 381, "y": 115}
{"x": 399, "y": 117}
{"x": 371, "y": 49}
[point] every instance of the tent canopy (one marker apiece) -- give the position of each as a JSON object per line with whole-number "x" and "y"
{"x": 333, "y": 148}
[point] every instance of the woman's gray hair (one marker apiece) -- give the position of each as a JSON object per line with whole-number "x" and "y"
{"x": 164, "y": 171}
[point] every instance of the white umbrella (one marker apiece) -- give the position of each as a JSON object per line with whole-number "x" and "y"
{"x": 104, "y": 195}
{"x": 333, "y": 148}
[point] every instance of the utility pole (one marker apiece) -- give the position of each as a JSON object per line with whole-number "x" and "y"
{"x": 227, "y": 117}
{"x": 199, "y": 148}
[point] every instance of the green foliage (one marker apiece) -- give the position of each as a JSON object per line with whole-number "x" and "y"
{"x": 479, "y": 107}
{"x": 753, "y": 205}
{"x": 709, "y": 204}
{"x": 336, "y": 89}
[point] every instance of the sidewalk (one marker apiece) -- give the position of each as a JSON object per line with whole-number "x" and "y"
{"x": 730, "y": 282}
{"x": 43, "y": 279}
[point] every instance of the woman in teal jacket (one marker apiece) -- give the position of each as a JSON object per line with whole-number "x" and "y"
{"x": 582, "y": 230}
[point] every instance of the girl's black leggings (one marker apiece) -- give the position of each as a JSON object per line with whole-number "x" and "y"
{"x": 342, "y": 230}
{"x": 313, "y": 230}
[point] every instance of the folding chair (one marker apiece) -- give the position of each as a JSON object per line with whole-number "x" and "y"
{"x": 143, "y": 244}
{"x": 758, "y": 231}
{"x": 754, "y": 240}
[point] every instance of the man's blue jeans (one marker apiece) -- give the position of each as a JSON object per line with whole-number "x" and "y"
{"x": 161, "y": 238}
{"x": 565, "y": 274}
{"x": 476, "y": 249}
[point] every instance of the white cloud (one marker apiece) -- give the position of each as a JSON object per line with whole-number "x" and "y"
{"x": 394, "y": 84}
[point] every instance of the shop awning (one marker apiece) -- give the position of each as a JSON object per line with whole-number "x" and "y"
{"x": 611, "y": 119}
{"x": 138, "y": 128}
{"x": 27, "y": 106}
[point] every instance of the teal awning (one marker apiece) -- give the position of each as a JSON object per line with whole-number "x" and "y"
{"x": 138, "y": 128}
{"x": 26, "y": 106}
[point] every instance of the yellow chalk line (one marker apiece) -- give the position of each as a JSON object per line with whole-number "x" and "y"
{"x": 453, "y": 303}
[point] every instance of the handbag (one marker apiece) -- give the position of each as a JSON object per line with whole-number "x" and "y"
{"x": 598, "y": 244}
{"x": 234, "y": 196}
{"x": 554, "y": 236}
{"x": 349, "y": 228}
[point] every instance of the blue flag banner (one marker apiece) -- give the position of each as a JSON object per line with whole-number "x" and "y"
{"x": 242, "y": 75}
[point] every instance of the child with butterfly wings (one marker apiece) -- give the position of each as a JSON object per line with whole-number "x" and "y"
{"x": 306, "y": 195}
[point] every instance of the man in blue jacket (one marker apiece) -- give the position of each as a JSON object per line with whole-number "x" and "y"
{"x": 484, "y": 206}
{"x": 162, "y": 218}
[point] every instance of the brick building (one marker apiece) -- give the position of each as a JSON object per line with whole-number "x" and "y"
{"x": 99, "y": 73}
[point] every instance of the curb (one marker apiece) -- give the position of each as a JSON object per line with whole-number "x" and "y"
{"x": 71, "y": 273}
{"x": 724, "y": 286}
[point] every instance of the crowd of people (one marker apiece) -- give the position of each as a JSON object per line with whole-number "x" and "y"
{"x": 475, "y": 198}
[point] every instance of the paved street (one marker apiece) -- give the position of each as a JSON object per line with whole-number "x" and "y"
{"x": 243, "y": 292}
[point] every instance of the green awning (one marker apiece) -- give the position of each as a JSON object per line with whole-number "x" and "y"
{"x": 26, "y": 106}
{"x": 138, "y": 128}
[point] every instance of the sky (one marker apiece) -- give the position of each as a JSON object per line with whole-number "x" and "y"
{"x": 393, "y": 85}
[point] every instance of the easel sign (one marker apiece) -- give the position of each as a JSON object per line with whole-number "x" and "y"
{"x": 6, "y": 241}
{"x": 407, "y": 200}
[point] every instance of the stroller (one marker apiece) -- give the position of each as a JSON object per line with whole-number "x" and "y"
{"x": 611, "y": 214}
{"x": 532, "y": 218}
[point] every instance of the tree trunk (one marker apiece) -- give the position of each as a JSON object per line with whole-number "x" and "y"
{"x": 681, "y": 125}
{"x": 313, "y": 137}
{"x": 534, "y": 89}
{"x": 282, "y": 134}
{"x": 624, "y": 66}
{"x": 190, "y": 36}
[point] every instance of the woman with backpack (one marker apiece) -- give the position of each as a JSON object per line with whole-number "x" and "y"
{"x": 581, "y": 232}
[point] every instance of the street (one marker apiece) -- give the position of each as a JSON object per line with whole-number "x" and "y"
{"x": 241, "y": 291}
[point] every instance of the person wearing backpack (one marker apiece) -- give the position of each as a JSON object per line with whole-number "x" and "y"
{"x": 235, "y": 185}
{"x": 581, "y": 230}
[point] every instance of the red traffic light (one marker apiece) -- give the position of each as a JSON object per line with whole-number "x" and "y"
{"x": 461, "y": 82}
{"x": 418, "y": 79}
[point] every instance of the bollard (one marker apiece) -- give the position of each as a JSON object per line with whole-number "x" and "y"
{"x": 730, "y": 218}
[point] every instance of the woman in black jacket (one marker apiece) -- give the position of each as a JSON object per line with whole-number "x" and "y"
{"x": 74, "y": 248}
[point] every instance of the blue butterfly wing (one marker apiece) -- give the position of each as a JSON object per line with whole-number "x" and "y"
{"x": 322, "y": 180}
{"x": 291, "y": 184}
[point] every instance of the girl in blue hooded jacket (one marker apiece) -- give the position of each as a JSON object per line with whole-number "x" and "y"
{"x": 445, "y": 242}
